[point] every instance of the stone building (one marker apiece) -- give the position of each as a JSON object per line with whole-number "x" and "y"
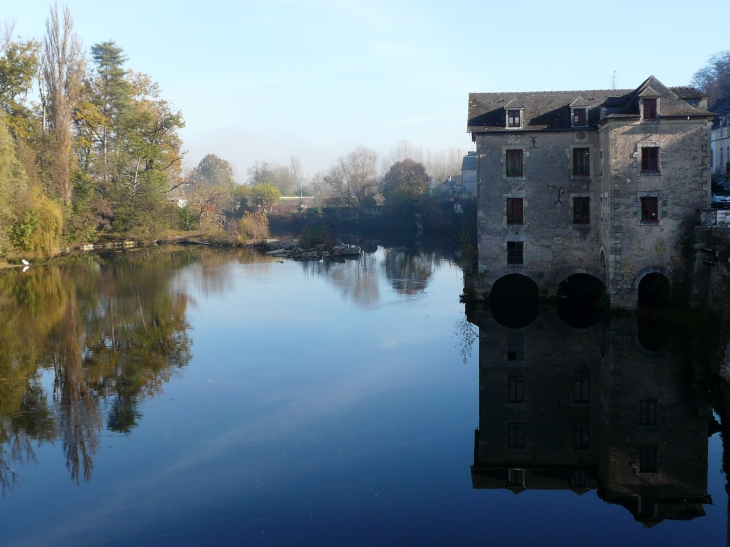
{"x": 469, "y": 175}
{"x": 601, "y": 182}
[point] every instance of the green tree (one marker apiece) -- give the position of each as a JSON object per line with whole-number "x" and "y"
{"x": 148, "y": 159}
{"x": 286, "y": 179}
{"x": 19, "y": 62}
{"x": 264, "y": 195}
{"x": 13, "y": 184}
{"x": 212, "y": 171}
{"x": 107, "y": 96}
{"x": 404, "y": 184}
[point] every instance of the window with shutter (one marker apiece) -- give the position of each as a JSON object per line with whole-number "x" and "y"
{"x": 514, "y": 211}
{"x": 650, "y": 159}
{"x": 581, "y": 210}
{"x": 650, "y": 209}
{"x": 581, "y": 163}
{"x": 649, "y": 109}
{"x": 514, "y": 163}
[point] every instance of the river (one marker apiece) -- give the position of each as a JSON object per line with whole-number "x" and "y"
{"x": 189, "y": 396}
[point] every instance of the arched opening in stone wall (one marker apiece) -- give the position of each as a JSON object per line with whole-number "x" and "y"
{"x": 514, "y": 301}
{"x": 579, "y": 300}
{"x": 653, "y": 291}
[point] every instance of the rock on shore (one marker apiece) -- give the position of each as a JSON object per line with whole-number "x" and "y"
{"x": 290, "y": 249}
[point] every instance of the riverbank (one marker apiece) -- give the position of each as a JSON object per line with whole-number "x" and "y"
{"x": 272, "y": 247}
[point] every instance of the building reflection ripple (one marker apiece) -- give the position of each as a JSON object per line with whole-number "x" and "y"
{"x": 622, "y": 407}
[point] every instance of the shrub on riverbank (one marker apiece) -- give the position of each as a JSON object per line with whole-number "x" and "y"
{"x": 254, "y": 225}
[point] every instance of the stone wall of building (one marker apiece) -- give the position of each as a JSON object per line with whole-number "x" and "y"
{"x": 635, "y": 248}
{"x": 554, "y": 247}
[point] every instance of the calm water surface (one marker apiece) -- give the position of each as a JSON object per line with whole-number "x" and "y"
{"x": 202, "y": 397}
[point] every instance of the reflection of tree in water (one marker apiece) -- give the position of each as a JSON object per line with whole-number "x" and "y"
{"x": 111, "y": 331}
{"x": 409, "y": 273}
{"x": 211, "y": 272}
{"x": 466, "y": 334}
{"x": 356, "y": 280}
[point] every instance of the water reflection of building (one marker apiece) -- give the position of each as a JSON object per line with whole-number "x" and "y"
{"x": 655, "y": 426}
{"x": 591, "y": 408}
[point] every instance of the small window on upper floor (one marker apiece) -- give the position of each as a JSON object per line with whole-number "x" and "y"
{"x": 514, "y": 119}
{"x": 650, "y": 159}
{"x": 581, "y": 210}
{"x": 649, "y": 112}
{"x": 581, "y": 162}
{"x": 649, "y": 209}
{"x": 514, "y": 163}
{"x": 515, "y": 211}
{"x": 580, "y": 117}
{"x": 515, "y": 252}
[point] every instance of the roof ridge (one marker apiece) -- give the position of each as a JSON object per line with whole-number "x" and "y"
{"x": 552, "y": 91}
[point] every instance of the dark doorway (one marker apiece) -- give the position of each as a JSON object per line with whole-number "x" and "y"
{"x": 514, "y": 301}
{"x": 653, "y": 291}
{"x": 579, "y": 300}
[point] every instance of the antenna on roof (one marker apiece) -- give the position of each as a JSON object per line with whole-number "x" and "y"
{"x": 613, "y": 82}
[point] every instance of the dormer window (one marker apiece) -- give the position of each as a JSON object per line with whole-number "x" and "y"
{"x": 513, "y": 114}
{"x": 580, "y": 117}
{"x": 649, "y": 110}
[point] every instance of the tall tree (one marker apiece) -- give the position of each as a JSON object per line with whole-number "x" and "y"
{"x": 284, "y": 178}
{"x": 211, "y": 188}
{"x": 212, "y": 171}
{"x": 404, "y": 183}
{"x": 19, "y": 61}
{"x": 62, "y": 70}
{"x": 439, "y": 164}
{"x": 714, "y": 78}
{"x": 149, "y": 157}
{"x": 264, "y": 195}
{"x": 12, "y": 185}
{"x": 110, "y": 93}
{"x": 353, "y": 179}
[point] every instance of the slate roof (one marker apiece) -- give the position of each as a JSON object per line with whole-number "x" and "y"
{"x": 469, "y": 163}
{"x": 550, "y": 110}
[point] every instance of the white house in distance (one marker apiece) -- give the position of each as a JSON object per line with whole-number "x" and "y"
{"x": 720, "y": 139}
{"x": 460, "y": 187}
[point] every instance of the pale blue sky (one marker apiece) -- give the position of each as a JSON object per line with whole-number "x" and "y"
{"x": 316, "y": 78}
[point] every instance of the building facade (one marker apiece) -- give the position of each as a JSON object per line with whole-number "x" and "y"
{"x": 598, "y": 182}
{"x": 720, "y": 139}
